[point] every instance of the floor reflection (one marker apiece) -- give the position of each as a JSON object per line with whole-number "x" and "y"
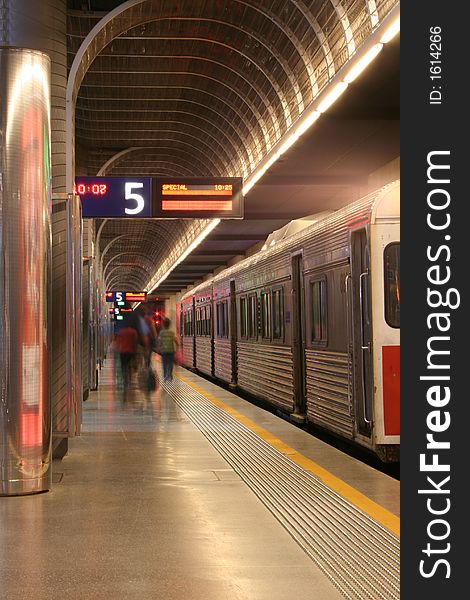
{"x": 112, "y": 408}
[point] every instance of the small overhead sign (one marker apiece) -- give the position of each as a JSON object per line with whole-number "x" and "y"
{"x": 125, "y": 296}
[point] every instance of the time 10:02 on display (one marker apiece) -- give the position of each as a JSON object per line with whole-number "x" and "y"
{"x": 97, "y": 189}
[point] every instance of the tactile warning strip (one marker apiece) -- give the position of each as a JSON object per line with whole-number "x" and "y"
{"x": 358, "y": 554}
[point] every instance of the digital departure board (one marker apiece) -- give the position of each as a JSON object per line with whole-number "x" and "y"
{"x": 126, "y": 296}
{"x": 197, "y": 197}
{"x": 161, "y": 198}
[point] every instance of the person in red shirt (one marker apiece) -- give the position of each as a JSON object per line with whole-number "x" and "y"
{"x": 126, "y": 345}
{"x": 132, "y": 331}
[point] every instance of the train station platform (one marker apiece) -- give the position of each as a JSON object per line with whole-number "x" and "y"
{"x": 192, "y": 492}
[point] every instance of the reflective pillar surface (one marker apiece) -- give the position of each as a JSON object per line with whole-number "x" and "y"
{"x": 25, "y": 415}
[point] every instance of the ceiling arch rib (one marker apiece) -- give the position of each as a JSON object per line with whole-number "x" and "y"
{"x": 119, "y": 283}
{"x": 373, "y": 13}
{"x": 103, "y": 170}
{"x": 143, "y": 259}
{"x": 347, "y": 31}
{"x": 163, "y": 168}
{"x": 148, "y": 156}
{"x": 186, "y": 158}
{"x": 109, "y": 243}
{"x": 148, "y": 232}
{"x": 159, "y": 169}
{"x": 135, "y": 267}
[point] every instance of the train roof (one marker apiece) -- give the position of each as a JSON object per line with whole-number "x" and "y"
{"x": 381, "y": 205}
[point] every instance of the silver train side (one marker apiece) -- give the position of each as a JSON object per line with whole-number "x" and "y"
{"x": 311, "y": 325}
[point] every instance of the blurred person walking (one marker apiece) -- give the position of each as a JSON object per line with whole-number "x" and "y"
{"x": 132, "y": 331}
{"x": 167, "y": 346}
{"x": 152, "y": 334}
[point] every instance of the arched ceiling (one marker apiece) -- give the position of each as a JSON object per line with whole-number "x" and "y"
{"x": 131, "y": 251}
{"x": 198, "y": 88}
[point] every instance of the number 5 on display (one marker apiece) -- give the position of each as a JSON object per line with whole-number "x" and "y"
{"x": 130, "y": 195}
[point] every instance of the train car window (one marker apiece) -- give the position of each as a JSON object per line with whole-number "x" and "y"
{"x": 208, "y": 323}
{"x": 221, "y": 317}
{"x": 224, "y": 319}
{"x": 203, "y": 321}
{"x": 266, "y": 315}
{"x": 392, "y": 284}
{"x": 191, "y": 323}
{"x": 218, "y": 318}
{"x": 318, "y": 304}
{"x": 225, "y": 307}
{"x": 243, "y": 318}
{"x": 277, "y": 314}
{"x": 253, "y": 316}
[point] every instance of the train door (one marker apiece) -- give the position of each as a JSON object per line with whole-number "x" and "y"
{"x": 233, "y": 332}
{"x": 361, "y": 321}
{"x": 192, "y": 328}
{"x": 210, "y": 310}
{"x": 298, "y": 342}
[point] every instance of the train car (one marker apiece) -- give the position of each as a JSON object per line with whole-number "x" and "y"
{"x": 311, "y": 325}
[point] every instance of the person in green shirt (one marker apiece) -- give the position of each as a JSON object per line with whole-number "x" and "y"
{"x": 167, "y": 346}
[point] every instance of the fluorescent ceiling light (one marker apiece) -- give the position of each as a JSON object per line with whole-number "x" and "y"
{"x": 332, "y": 96}
{"x": 391, "y": 31}
{"x": 212, "y": 225}
{"x": 306, "y": 123}
{"x": 363, "y": 63}
{"x": 329, "y": 99}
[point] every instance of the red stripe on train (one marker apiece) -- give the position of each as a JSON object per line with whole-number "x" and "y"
{"x": 391, "y": 389}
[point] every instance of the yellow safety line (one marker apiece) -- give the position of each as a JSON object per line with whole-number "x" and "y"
{"x": 368, "y": 506}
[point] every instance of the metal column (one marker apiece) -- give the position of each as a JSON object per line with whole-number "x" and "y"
{"x": 25, "y": 245}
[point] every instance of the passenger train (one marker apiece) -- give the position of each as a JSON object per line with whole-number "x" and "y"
{"x": 311, "y": 325}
